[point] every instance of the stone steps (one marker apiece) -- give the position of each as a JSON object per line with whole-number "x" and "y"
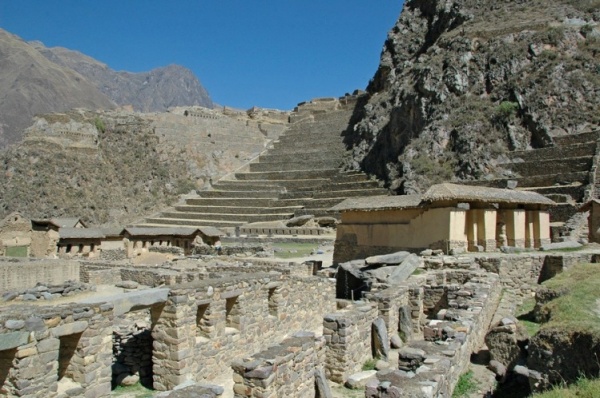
{"x": 544, "y": 180}
{"x": 247, "y": 186}
{"x": 245, "y": 202}
{"x": 350, "y": 193}
{"x": 239, "y": 194}
{"x": 589, "y": 137}
{"x": 317, "y": 212}
{"x": 541, "y": 167}
{"x": 176, "y": 222}
{"x": 243, "y": 218}
{"x": 287, "y": 175}
{"x": 311, "y": 203}
{"x": 335, "y": 150}
{"x": 224, "y": 209}
{"x": 559, "y": 153}
{"x": 575, "y": 191}
{"x": 295, "y": 166}
{"x": 308, "y": 157}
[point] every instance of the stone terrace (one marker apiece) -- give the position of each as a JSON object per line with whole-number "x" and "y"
{"x": 298, "y": 175}
{"x": 565, "y": 172}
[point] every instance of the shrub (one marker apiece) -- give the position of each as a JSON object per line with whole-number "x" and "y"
{"x": 99, "y": 125}
{"x": 369, "y": 364}
{"x": 507, "y": 108}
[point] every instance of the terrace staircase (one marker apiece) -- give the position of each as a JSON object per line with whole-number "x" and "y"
{"x": 566, "y": 173}
{"x": 300, "y": 174}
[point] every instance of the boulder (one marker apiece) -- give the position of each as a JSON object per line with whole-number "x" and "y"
{"x": 298, "y": 221}
{"x": 360, "y": 379}
{"x": 405, "y": 269}
{"x": 322, "y": 389}
{"x": 570, "y": 244}
{"x": 387, "y": 259}
{"x": 381, "y": 344}
{"x": 506, "y": 341}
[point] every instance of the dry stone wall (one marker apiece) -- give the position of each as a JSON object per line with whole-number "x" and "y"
{"x": 283, "y": 370}
{"x": 348, "y": 340}
{"x": 24, "y": 274}
{"x": 204, "y": 326}
{"x": 41, "y": 349}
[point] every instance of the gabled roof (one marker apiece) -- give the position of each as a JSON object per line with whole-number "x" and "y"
{"x": 80, "y": 233}
{"x": 181, "y": 231}
{"x": 61, "y": 222}
{"x": 443, "y": 193}
{"x": 470, "y": 193}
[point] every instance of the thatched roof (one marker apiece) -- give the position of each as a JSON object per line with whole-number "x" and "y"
{"x": 469, "y": 193}
{"x": 382, "y": 202}
{"x": 443, "y": 193}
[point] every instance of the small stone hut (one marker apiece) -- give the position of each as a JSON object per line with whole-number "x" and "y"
{"x": 449, "y": 217}
{"x": 140, "y": 239}
{"x": 79, "y": 241}
{"x": 15, "y": 236}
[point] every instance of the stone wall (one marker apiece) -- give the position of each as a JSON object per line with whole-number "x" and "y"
{"x": 207, "y": 324}
{"x": 390, "y": 304}
{"x": 23, "y": 274}
{"x": 431, "y": 367}
{"x": 284, "y": 370}
{"x": 99, "y": 275}
{"x": 348, "y": 340}
{"x": 132, "y": 349}
{"x": 39, "y": 351}
{"x": 520, "y": 273}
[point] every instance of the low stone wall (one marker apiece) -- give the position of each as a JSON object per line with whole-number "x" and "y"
{"x": 390, "y": 305}
{"x": 348, "y": 340}
{"x": 23, "y": 274}
{"x": 132, "y": 349}
{"x": 431, "y": 368}
{"x": 55, "y": 344}
{"x": 100, "y": 275}
{"x": 521, "y": 272}
{"x": 284, "y": 370}
{"x": 218, "y": 320}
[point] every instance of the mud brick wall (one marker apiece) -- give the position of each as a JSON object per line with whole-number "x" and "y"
{"x": 284, "y": 370}
{"x": 39, "y": 348}
{"x": 24, "y": 274}
{"x": 99, "y": 275}
{"x": 348, "y": 340}
{"x": 207, "y": 324}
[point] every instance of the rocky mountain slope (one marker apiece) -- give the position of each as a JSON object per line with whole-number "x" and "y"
{"x": 36, "y": 80}
{"x": 462, "y": 82}
{"x": 31, "y": 84}
{"x": 114, "y": 167}
{"x": 153, "y": 91}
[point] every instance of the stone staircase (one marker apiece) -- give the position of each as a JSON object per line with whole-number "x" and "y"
{"x": 299, "y": 174}
{"x": 565, "y": 173}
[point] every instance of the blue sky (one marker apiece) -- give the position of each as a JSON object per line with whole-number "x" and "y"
{"x": 272, "y": 54}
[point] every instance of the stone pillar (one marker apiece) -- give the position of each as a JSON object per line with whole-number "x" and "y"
{"x": 515, "y": 227}
{"x": 530, "y": 221}
{"x": 541, "y": 228}
{"x": 472, "y": 225}
{"x": 174, "y": 334}
{"x": 486, "y": 229}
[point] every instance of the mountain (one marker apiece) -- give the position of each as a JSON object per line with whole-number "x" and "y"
{"x": 153, "y": 91}
{"x": 463, "y": 82}
{"x": 37, "y": 80}
{"x": 31, "y": 84}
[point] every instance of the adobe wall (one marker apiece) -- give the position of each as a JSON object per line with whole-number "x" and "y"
{"x": 42, "y": 348}
{"x": 205, "y": 325}
{"x": 23, "y": 274}
{"x": 283, "y": 370}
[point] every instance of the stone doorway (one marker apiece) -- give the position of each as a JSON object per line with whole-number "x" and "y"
{"x": 132, "y": 349}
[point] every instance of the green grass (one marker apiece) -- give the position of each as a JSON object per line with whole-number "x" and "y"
{"x": 525, "y": 316}
{"x": 135, "y": 391}
{"x": 291, "y": 250}
{"x": 465, "y": 385}
{"x": 369, "y": 364}
{"x": 583, "y": 388}
{"x": 576, "y": 310}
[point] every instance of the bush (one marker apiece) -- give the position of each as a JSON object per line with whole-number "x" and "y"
{"x": 99, "y": 125}
{"x": 369, "y": 364}
{"x": 507, "y": 109}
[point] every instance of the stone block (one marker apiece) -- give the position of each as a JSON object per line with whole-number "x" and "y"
{"x": 12, "y": 340}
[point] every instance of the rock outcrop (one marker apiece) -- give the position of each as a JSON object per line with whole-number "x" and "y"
{"x": 463, "y": 82}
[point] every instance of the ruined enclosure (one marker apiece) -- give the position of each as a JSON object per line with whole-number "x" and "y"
{"x": 132, "y": 349}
